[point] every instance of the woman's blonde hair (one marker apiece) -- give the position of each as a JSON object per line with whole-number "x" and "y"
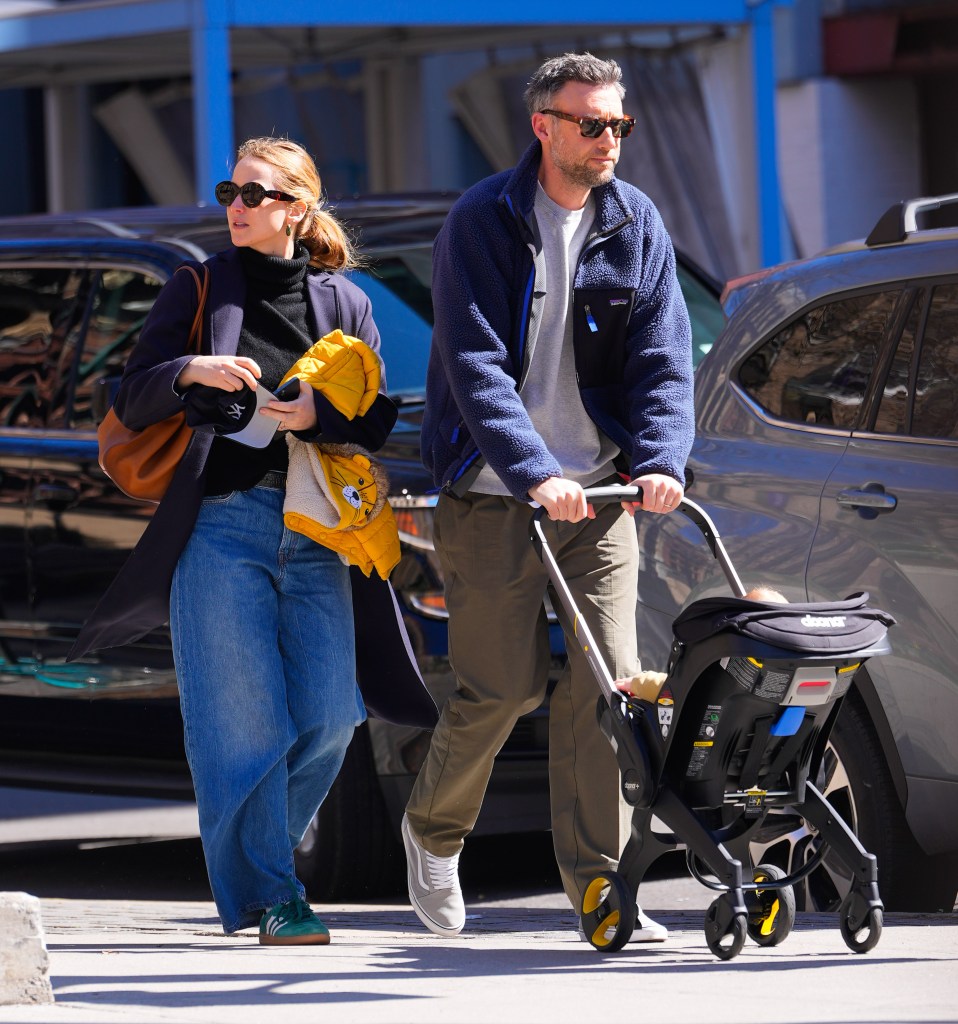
{"x": 330, "y": 248}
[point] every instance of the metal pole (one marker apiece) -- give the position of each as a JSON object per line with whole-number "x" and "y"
{"x": 212, "y": 95}
{"x": 764, "y": 87}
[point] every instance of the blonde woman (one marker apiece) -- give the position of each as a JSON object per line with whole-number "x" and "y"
{"x": 261, "y": 617}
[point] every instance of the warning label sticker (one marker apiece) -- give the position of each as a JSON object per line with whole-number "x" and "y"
{"x": 702, "y": 746}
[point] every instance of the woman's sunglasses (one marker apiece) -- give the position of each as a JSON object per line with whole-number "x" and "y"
{"x": 252, "y": 194}
{"x": 593, "y": 127}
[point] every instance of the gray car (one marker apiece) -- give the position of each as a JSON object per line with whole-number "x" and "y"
{"x": 827, "y": 456}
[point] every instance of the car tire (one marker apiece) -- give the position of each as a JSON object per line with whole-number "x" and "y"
{"x": 350, "y": 850}
{"x": 856, "y": 780}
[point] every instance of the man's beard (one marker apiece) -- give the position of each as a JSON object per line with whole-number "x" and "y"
{"x": 581, "y": 173}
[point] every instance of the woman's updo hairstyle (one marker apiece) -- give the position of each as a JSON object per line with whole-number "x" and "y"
{"x": 329, "y": 246}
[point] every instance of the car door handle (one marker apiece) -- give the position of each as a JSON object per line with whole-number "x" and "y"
{"x": 870, "y": 498}
{"x": 56, "y": 496}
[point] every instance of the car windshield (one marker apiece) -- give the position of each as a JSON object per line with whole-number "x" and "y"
{"x": 397, "y": 282}
{"x": 705, "y": 312}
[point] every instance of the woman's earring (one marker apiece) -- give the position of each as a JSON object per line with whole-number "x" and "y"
{"x": 289, "y": 231}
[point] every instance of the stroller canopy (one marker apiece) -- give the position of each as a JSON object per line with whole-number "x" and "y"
{"x": 840, "y": 627}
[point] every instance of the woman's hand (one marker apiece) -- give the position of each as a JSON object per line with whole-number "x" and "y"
{"x": 299, "y": 414}
{"x": 228, "y": 373}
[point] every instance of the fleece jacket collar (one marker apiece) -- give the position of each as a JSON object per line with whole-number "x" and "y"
{"x": 519, "y": 196}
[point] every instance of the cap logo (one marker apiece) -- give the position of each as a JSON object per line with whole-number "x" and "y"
{"x": 352, "y": 496}
{"x": 231, "y": 414}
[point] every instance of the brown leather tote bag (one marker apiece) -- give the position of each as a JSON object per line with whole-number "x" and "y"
{"x": 142, "y": 462}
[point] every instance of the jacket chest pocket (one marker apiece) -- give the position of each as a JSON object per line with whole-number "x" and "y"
{"x": 600, "y": 328}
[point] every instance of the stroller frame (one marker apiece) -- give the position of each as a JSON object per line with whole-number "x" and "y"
{"x": 774, "y": 704}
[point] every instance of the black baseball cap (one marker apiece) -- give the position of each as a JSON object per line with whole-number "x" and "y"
{"x": 232, "y": 414}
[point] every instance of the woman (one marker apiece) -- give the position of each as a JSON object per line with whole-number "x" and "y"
{"x": 261, "y": 617}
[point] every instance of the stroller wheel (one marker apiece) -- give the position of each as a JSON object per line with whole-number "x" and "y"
{"x": 771, "y": 912}
{"x": 860, "y": 923}
{"x": 725, "y": 930}
{"x": 608, "y": 912}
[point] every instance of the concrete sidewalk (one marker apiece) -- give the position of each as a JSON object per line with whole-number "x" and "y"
{"x": 517, "y": 961}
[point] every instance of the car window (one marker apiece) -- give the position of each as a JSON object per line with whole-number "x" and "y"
{"x": 398, "y": 284}
{"x": 41, "y": 316}
{"x": 893, "y": 410}
{"x": 705, "y": 313}
{"x": 936, "y": 392}
{"x": 398, "y": 287}
{"x": 920, "y": 396}
{"x": 817, "y": 368}
{"x": 121, "y": 300}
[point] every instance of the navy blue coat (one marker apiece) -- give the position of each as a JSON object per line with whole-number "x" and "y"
{"x": 138, "y": 599}
{"x": 631, "y": 336}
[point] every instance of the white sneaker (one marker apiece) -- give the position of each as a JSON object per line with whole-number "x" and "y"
{"x": 646, "y": 930}
{"x": 433, "y": 886}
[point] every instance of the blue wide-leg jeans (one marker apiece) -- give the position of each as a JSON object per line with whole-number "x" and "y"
{"x": 262, "y": 626}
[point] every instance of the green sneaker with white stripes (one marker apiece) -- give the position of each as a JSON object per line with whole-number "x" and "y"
{"x": 292, "y": 923}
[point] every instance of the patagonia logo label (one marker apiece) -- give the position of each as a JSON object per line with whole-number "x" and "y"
{"x": 823, "y": 621}
{"x": 618, "y": 302}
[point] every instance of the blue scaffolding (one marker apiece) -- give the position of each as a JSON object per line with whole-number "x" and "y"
{"x": 209, "y": 22}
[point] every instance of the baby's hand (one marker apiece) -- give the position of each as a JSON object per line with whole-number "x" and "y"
{"x": 646, "y": 684}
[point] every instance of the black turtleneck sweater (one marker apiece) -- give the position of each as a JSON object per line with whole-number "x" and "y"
{"x": 277, "y": 329}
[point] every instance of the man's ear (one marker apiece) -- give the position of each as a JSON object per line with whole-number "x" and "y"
{"x": 541, "y": 126}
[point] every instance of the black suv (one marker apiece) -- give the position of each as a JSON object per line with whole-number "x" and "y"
{"x": 74, "y": 292}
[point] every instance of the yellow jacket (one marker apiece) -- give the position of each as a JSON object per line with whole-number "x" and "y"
{"x": 337, "y": 494}
{"x": 345, "y": 369}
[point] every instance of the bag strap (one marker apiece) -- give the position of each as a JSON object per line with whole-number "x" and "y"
{"x": 195, "y": 341}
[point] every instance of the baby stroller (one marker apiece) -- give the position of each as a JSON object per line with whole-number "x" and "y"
{"x": 738, "y": 729}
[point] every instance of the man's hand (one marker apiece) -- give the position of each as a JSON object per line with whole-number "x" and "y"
{"x": 562, "y": 499}
{"x": 660, "y": 493}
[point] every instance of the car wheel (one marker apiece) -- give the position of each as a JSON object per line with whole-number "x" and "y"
{"x": 350, "y": 850}
{"x": 856, "y": 781}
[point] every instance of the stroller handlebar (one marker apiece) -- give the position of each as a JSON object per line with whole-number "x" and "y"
{"x": 692, "y": 511}
{"x": 564, "y": 595}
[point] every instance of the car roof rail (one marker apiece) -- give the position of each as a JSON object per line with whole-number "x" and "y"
{"x": 900, "y": 220}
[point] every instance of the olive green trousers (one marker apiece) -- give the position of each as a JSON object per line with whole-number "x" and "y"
{"x": 499, "y": 648}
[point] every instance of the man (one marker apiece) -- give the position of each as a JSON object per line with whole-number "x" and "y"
{"x": 561, "y": 350}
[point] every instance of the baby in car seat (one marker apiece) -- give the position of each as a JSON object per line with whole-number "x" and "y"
{"x": 647, "y": 683}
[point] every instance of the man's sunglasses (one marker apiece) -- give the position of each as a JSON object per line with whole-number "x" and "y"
{"x": 593, "y": 127}
{"x": 252, "y": 194}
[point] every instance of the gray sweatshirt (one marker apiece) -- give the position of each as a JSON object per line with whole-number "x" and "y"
{"x": 548, "y": 389}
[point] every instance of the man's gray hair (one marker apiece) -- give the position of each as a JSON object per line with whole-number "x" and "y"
{"x": 570, "y": 67}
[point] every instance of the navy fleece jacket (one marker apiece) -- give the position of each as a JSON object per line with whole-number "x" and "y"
{"x": 631, "y": 335}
